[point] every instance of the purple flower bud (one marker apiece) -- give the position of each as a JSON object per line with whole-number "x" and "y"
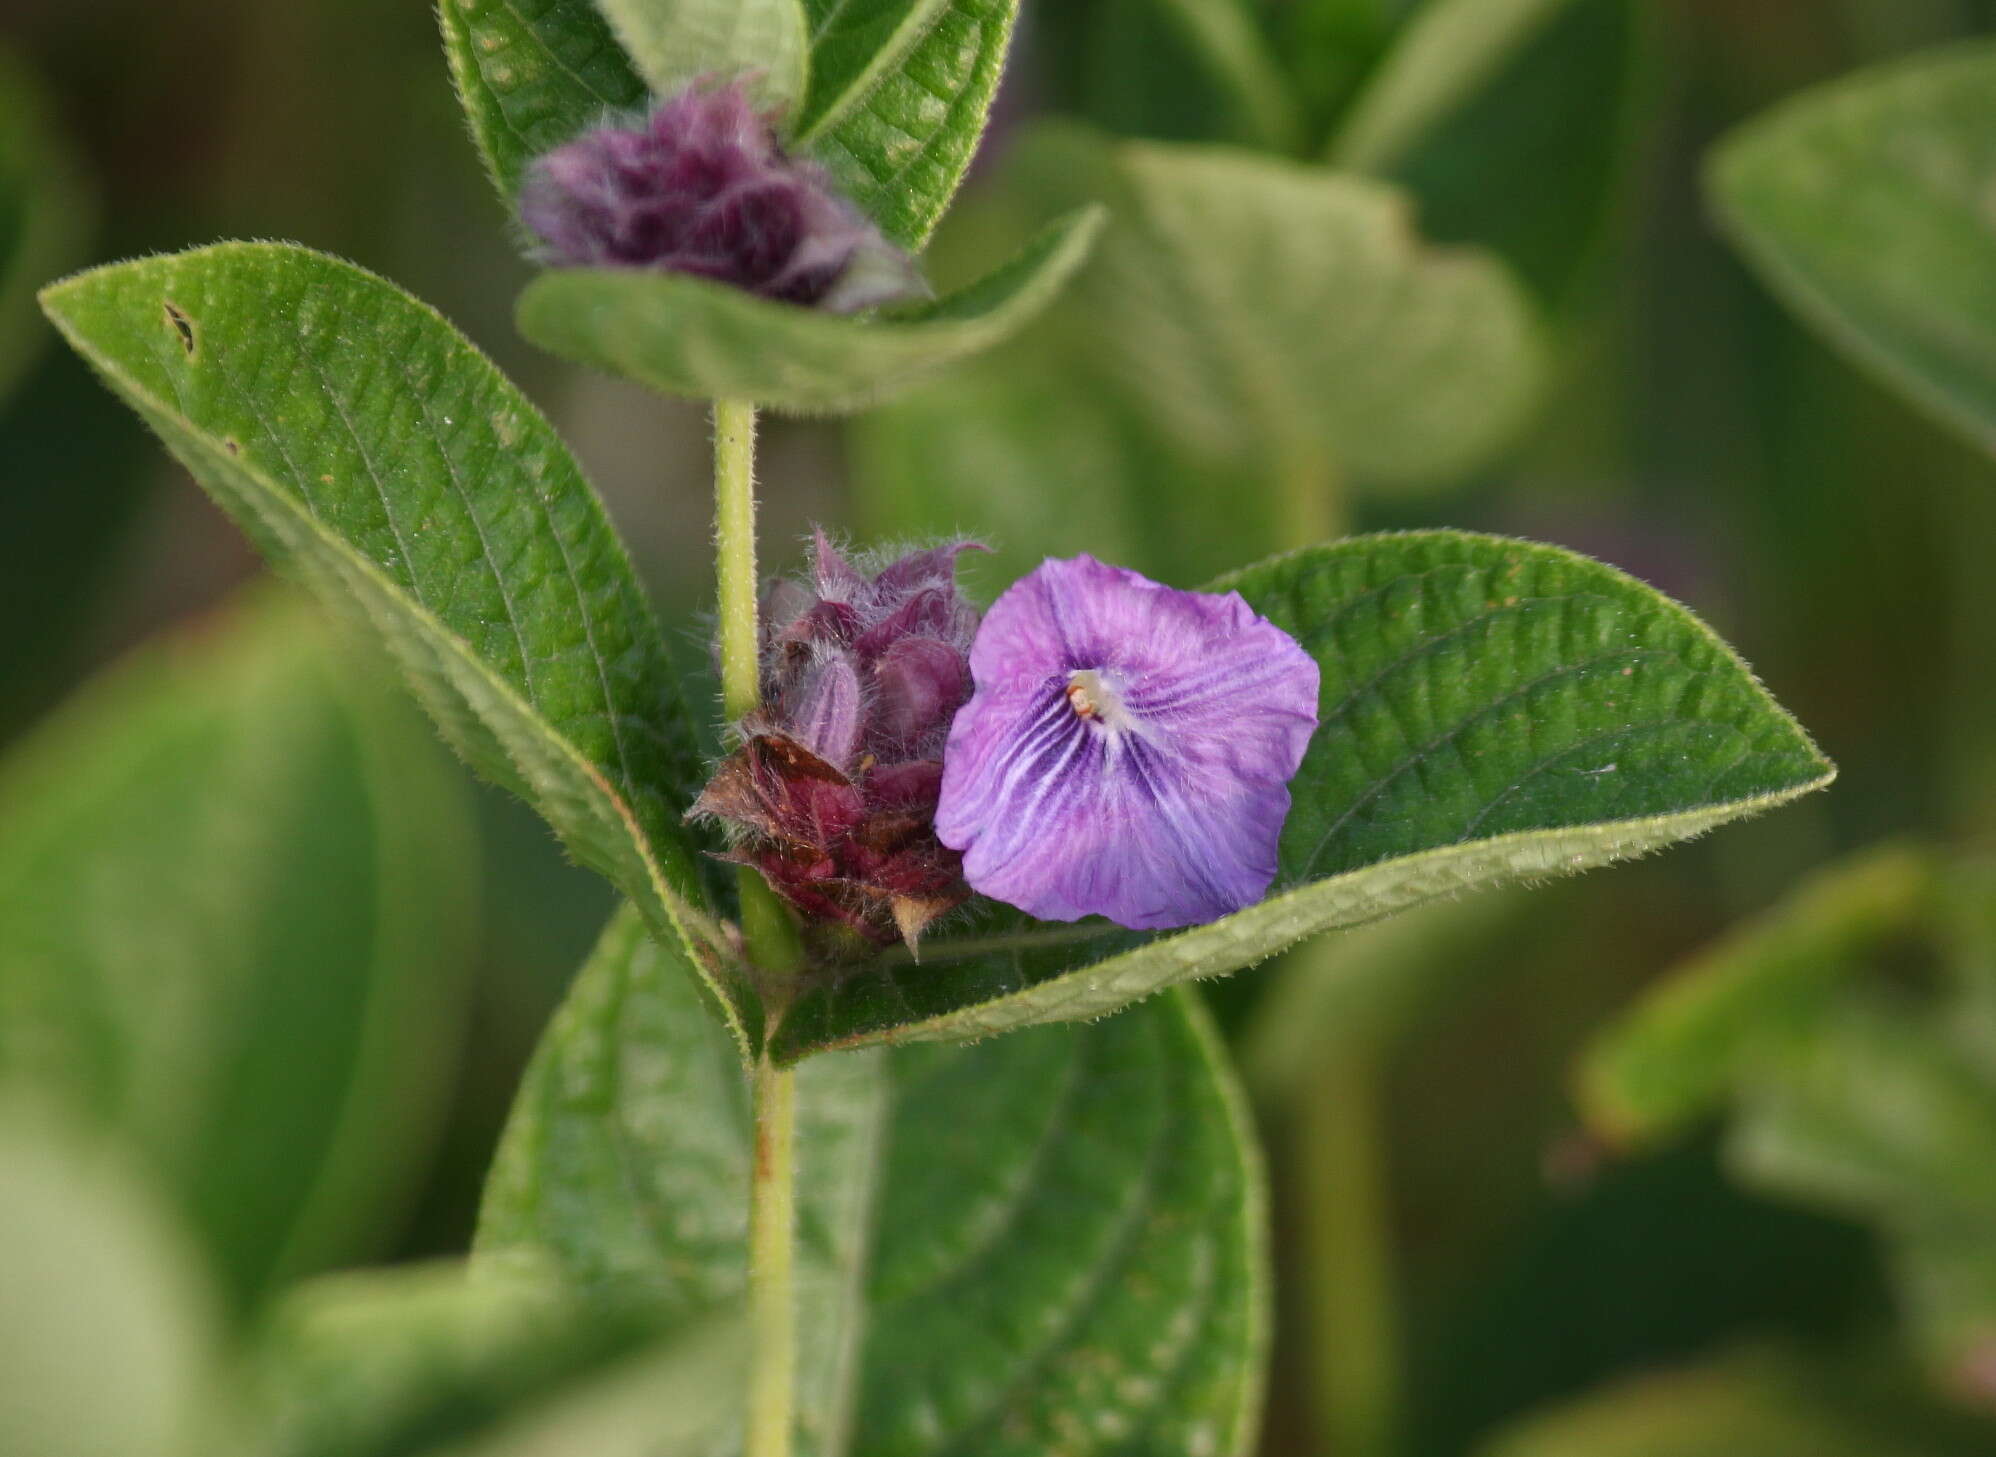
{"x": 833, "y": 792}
{"x": 703, "y": 187}
{"x": 1127, "y": 750}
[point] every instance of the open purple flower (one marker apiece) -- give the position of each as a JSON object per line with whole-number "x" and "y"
{"x": 703, "y": 187}
{"x": 1127, "y": 750}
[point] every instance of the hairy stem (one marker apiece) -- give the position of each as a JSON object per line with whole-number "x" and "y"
{"x": 770, "y": 943}
{"x": 771, "y": 1252}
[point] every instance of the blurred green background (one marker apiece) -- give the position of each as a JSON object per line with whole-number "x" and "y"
{"x": 1691, "y": 432}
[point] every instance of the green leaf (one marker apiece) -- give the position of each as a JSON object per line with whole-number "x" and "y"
{"x": 1045, "y": 1242}
{"x": 1678, "y": 1054}
{"x": 44, "y": 213}
{"x": 372, "y": 451}
{"x": 899, "y": 131}
{"x": 1874, "y": 1113}
{"x": 1865, "y": 204}
{"x": 427, "y": 1358}
{"x": 1444, "y": 56}
{"x": 1227, "y": 38}
{"x": 236, "y": 885}
{"x": 1946, "y": 1281}
{"x": 1264, "y": 312}
{"x": 688, "y": 336}
{"x": 1493, "y": 710}
{"x": 677, "y": 42}
{"x": 531, "y": 74}
{"x": 109, "y": 1335}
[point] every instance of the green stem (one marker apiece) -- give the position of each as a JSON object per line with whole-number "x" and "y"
{"x": 771, "y": 1251}
{"x": 770, "y": 942}
{"x": 1340, "y": 1171}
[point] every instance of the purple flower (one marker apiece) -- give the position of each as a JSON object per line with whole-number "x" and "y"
{"x": 1127, "y": 751}
{"x": 703, "y": 187}
{"x": 832, "y": 795}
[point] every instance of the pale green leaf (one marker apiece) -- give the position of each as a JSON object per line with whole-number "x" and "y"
{"x": 899, "y": 137}
{"x": 236, "y": 883}
{"x": 1865, "y": 204}
{"x": 688, "y": 336}
{"x": 44, "y": 213}
{"x": 107, "y": 1329}
{"x": 1044, "y": 1243}
{"x": 531, "y": 74}
{"x": 434, "y": 1360}
{"x": 1492, "y": 711}
{"x": 675, "y": 43}
{"x": 373, "y": 452}
{"x": 1678, "y": 1054}
{"x": 1876, "y": 1114}
{"x": 1451, "y": 48}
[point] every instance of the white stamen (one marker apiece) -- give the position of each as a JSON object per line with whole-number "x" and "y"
{"x": 1093, "y": 694}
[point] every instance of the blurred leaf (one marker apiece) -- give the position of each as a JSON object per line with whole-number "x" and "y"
{"x": 1046, "y": 1241}
{"x": 1534, "y": 165}
{"x": 1449, "y": 50}
{"x": 1875, "y": 1114}
{"x": 675, "y": 43}
{"x": 235, "y": 907}
{"x": 1758, "y": 1404}
{"x": 1865, "y": 203}
{"x": 44, "y": 214}
{"x": 1493, "y": 710}
{"x": 1224, "y": 34}
{"x": 420, "y": 1359}
{"x": 367, "y": 447}
{"x": 1677, "y": 1055}
{"x": 1259, "y": 310}
{"x": 531, "y": 74}
{"x": 689, "y": 336}
{"x": 900, "y": 148}
{"x": 1947, "y": 1283}
{"x": 107, "y": 1335}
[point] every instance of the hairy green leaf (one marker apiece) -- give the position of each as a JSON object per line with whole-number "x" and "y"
{"x": 1865, "y": 204}
{"x": 898, "y": 128}
{"x": 531, "y": 74}
{"x": 1047, "y": 1242}
{"x": 1678, "y": 1054}
{"x": 44, "y": 213}
{"x": 677, "y": 42}
{"x": 429, "y": 1359}
{"x": 371, "y": 450}
{"x": 1449, "y": 50}
{"x": 688, "y": 336}
{"x": 108, "y": 1340}
{"x": 1492, "y": 710}
{"x": 235, "y": 916}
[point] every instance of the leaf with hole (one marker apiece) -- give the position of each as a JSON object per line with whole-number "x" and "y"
{"x": 370, "y": 450}
{"x": 688, "y": 336}
{"x": 1865, "y": 205}
{"x": 235, "y": 921}
{"x": 1492, "y": 710}
{"x": 531, "y": 74}
{"x": 1049, "y": 1241}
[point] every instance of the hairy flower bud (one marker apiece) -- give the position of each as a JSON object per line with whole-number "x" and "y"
{"x": 703, "y": 187}
{"x": 832, "y": 795}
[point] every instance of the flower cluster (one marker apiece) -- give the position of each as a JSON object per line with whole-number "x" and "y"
{"x": 1128, "y": 750}
{"x": 703, "y": 187}
{"x": 832, "y": 794}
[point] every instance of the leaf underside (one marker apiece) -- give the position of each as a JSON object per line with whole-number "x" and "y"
{"x": 1046, "y": 1242}
{"x": 1492, "y": 710}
